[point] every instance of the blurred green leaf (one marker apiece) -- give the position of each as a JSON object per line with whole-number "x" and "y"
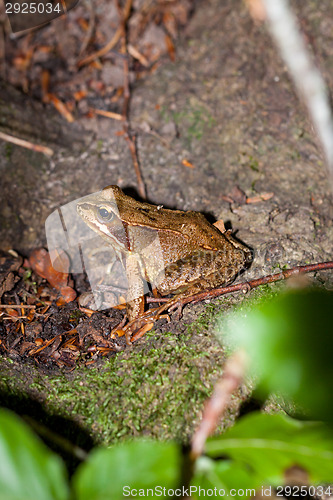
{"x": 224, "y": 475}
{"x": 133, "y": 466}
{"x": 290, "y": 343}
{"x": 28, "y": 470}
{"x": 264, "y": 446}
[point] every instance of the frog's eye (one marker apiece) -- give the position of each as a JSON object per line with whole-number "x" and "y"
{"x": 104, "y": 214}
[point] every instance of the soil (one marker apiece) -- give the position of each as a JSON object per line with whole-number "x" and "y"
{"x": 227, "y": 107}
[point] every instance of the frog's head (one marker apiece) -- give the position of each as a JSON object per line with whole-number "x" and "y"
{"x": 101, "y": 213}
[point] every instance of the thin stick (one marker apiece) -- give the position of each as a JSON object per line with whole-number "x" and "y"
{"x": 270, "y": 278}
{"x": 174, "y": 303}
{"x": 90, "y": 30}
{"x": 127, "y": 96}
{"x": 248, "y": 285}
{"x": 137, "y": 55}
{"x": 216, "y": 405}
{"x": 104, "y": 50}
{"x": 10, "y": 306}
{"x": 107, "y": 114}
{"x": 26, "y": 144}
{"x": 307, "y": 78}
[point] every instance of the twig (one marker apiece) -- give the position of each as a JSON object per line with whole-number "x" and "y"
{"x": 2, "y": 50}
{"x": 107, "y": 114}
{"x": 216, "y": 405}
{"x": 270, "y": 278}
{"x": 26, "y": 144}
{"x": 114, "y": 40}
{"x": 11, "y": 306}
{"x": 248, "y": 285}
{"x": 90, "y": 30}
{"x": 121, "y": 34}
{"x": 61, "y": 107}
{"x": 308, "y": 80}
{"x": 175, "y": 303}
{"x": 137, "y": 55}
{"x": 127, "y": 96}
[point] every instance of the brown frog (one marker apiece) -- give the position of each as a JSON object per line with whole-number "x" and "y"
{"x": 176, "y": 252}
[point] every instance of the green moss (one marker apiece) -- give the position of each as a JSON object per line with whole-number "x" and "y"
{"x": 194, "y": 119}
{"x": 99, "y": 148}
{"x": 253, "y": 164}
{"x": 155, "y": 391}
{"x": 156, "y": 388}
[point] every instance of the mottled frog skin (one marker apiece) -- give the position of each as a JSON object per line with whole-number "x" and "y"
{"x": 177, "y": 252}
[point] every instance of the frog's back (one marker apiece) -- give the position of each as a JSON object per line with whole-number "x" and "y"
{"x": 190, "y": 226}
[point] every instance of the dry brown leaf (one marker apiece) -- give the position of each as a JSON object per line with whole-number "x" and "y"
{"x": 23, "y": 60}
{"x": 187, "y": 163}
{"x": 68, "y": 293}
{"x": 40, "y": 262}
{"x": 170, "y": 47}
{"x": 260, "y": 197}
{"x": 80, "y": 94}
{"x": 220, "y": 225}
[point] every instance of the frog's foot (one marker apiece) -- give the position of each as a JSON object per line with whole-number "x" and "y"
{"x": 174, "y": 304}
{"x": 147, "y": 327}
{"x": 140, "y": 333}
{"x": 136, "y": 328}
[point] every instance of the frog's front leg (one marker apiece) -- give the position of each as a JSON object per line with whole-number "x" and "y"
{"x": 139, "y": 322}
{"x": 135, "y": 293}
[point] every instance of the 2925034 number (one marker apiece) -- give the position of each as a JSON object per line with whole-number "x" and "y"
{"x": 32, "y": 8}
{"x": 303, "y": 491}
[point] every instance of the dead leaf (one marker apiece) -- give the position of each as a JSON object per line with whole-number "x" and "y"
{"x": 260, "y": 197}
{"x": 170, "y": 47}
{"x": 40, "y": 262}
{"x": 68, "y": 293}
{"x": 80, "y": 94}
{"x": 88, "y": 312}
{"x": 187, "y": 163}
{"x": 23, "y": 60}
{"x": 257, "y": 10}
{"x": 170, "y": 24}
{"x": 220, "y": 225}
